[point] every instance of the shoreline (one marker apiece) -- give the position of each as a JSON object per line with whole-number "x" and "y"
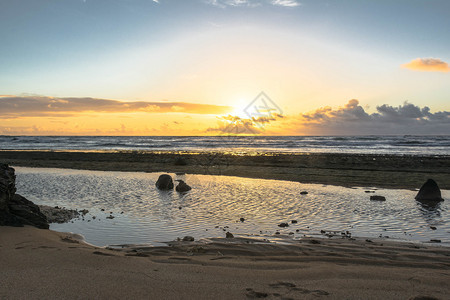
{"x": 365, "y": 170}
{"x": 334, "y": 269}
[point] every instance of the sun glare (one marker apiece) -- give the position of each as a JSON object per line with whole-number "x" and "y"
{"x": 239, "y": 109}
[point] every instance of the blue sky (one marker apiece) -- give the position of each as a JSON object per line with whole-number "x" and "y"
{"x": 303, "y": 53}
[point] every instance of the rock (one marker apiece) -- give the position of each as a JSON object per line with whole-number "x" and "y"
{"x": 188, "y": 238}
{"x": 420, "y": 297}
{"x": 242, "y": 219}
{"x": 15, "y": 210}
{"x": 294, "y": 221}
{"x": 429, "y": 192}
{"x": 377, "y": 198}
{"x": 283, "y": 225}
{"x": 182, "y": 187}
{"x": 229, "y": 235}
{"x": 433, "y": 227}
{"x": 164, "y": 182}
{"x": 27, "y": 212}
{"x": 58, "y": 215}
{"x": 304, "y": 193}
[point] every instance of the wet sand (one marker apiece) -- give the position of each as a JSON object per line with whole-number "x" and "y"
{"x": 42, "y": 264}
{"x": 386, "y": 171}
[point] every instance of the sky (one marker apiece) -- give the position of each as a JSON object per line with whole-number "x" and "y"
{"x": 198, "y": 67}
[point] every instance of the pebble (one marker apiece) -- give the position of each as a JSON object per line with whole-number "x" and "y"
{"x": 188, "y": 238}
{"x": 294, "y": 221}
{"x": 433, "y": 228}
{"x": 304, "y": 193}
{"x": 242, "y": 219}
{"x": 229, "y": 235}
{"x": 283, "y": 225}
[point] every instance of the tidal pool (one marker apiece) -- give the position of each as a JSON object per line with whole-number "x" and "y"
{"x": 126, "y": 208}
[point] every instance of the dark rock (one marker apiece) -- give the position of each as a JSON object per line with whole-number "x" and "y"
{"x": 429, "y": 192}
{"x": 377, "y": 198}
{"x": 304, "y": 193}
{"x": 423, "y": 298}
{"x": 283, "y": 225}
{"x": 229, "y": 235}
{"x": 27, "y": 212}
{"x": 7, "y": 186}
{"x": 58, "y": 214}
{"x": 242, "y": 219}
{"x": 15, "y": 210}
{"x": 188, "y": 238}
{"x": 433, "y": 227}
{"x": 293, "y": 221}
{"x": 182, "y": 186}
{"x": 435, "y": 241}
{"x": 164, "y": 182}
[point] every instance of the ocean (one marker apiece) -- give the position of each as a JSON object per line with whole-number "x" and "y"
{"x": 396, "y": 145}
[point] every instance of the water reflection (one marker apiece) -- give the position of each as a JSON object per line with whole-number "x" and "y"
{"x": 431, "y": 210}
{"x": 216, "y": 203}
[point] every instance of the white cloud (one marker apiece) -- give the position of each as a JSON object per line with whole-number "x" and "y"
{"x": 286, "y": 3}
{"x": 251, "y": 3}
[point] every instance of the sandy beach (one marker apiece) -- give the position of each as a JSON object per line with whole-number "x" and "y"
{"x": 42, "y": 264}
{"x": 388, "y": 171}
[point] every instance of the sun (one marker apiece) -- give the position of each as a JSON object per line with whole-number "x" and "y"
{"x": 239, "y": 110}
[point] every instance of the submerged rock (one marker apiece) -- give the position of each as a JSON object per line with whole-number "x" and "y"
{"x": 164, "y": 182}
{"x": 58, "y": 214}
{"x": 182, "y": 186}
{"x": 377, "y": 198}
{"x": 429, "y": 192}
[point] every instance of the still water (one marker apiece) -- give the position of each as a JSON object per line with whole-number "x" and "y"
{"x": 126, "y": 208}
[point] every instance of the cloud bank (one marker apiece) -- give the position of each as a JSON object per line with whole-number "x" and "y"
{"x": 233, "y": 125}
{"x": 352, "y": 119}
{"x": 427, "y": 65}
{"x": 37, "y": 106}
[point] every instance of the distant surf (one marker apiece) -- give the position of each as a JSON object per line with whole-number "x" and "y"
{"x": 396, "y": 145}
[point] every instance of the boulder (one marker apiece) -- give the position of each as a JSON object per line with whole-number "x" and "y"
{"x": 377, "y": 198}
{"x": 182, "y": 187}
{"x": 27, "y": 212}
{"x": 164, "y": 182}
{"x": 429, "y": 192}
{"x": 16, "y": 210}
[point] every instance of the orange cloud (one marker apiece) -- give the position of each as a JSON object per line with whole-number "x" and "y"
{"x": 39, "y": 106}
{"x": 427, "y": 65}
